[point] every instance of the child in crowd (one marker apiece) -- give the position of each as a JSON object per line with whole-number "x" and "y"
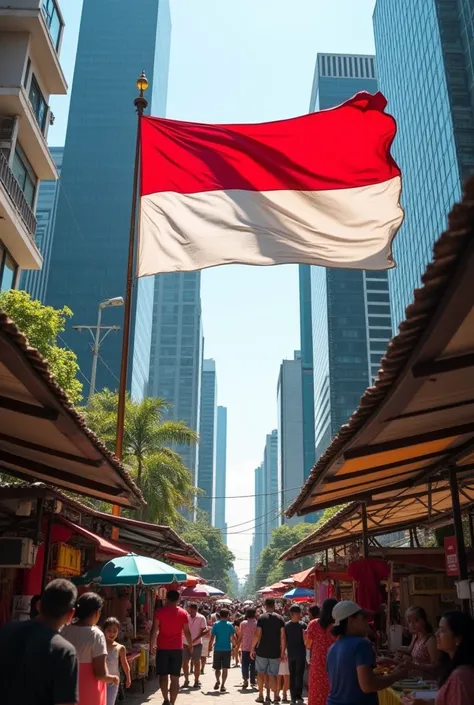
{"x": 116, "y": 654}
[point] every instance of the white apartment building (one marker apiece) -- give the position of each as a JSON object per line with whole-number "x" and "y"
{"x": 30, "y": 72}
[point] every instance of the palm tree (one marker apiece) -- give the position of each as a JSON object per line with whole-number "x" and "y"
{"x": 158, "y": 469}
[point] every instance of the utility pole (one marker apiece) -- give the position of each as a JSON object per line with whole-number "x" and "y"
{"x": 97, "y": 338}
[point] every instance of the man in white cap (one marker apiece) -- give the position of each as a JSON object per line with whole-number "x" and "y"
{"x": 351, "y": 660}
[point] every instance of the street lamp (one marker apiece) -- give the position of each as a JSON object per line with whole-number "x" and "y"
{"x": 95, "y": 331}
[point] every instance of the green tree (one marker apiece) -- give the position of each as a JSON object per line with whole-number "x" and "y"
{"x": 208, "y": 541}
{"x": 42, "y": 326}
{"x": 158, "y": 469}
{"x": 270, "y": 569}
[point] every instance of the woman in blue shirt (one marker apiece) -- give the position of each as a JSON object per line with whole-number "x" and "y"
{"x": 351, "y": 660}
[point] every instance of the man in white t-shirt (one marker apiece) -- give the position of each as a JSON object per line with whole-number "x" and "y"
{"x": 197, "y": 627}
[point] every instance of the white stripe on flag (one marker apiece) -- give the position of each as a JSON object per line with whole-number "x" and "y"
{"x": 347, "y": 228}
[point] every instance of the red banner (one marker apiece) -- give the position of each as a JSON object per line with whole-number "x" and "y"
{"x": 451, "y": 555}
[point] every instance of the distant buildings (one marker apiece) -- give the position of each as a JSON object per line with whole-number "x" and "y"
{"x": 267, "y": 506}
{"x": 307, "y": 381}
{"x": 30, "y": 73}
{"x": 176, "y": 351}
{"x": 270, "y": 472}
{"x": 90, "y": 245}
{"x": 351, "y": 315}
{"x": 206, "y": 479}
{"x": 35, "y": 282}
{"x": 291, "y": 459}
{"x": 221, "y": 469}
{"x": 259, "y": 539}
{"x": 425, "y": 68}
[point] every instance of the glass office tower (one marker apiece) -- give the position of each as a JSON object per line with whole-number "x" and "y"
{"x": 425, "y": 54}
{"x": 208, "y": 440}
{"x": 307, "y": 380}
{"x": 270, "y": 481}
{"x": 259, "y": 538}
{"x": 176, "y": 351}
{"x": 36, "y": 282}
{"x": 291, "y": 466}
{"x": 221, "y": 471}
{"x": 350, "y": 309}
{"x": 89, "y": 257}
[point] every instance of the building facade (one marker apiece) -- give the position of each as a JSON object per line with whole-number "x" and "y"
{"x": 90, "y": 245}
{"x": 36, "y": 282}
{"x": 30, "y": 72}
{"x": 221, "y": 470}
{"x": 428, "y": 43}
{"x": 259, "y": 538}
{"x": 291, "y": 457}
{"x": 307, "y": 381}
{"x": 351, "y": 316}
{"x": 176, "y": 351}
{"x": 271, "y": 489}
{"x": 208, "y": 440}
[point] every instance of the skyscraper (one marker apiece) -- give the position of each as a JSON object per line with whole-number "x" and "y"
{"x": 270, "y": 485}
{"x": 221, "y": 469}
{"x": 291, "y": 460}
{"x": 350, "y": 309}
{"x": 425, "y": 68}
{"x": 89, "y": 255}
{"x": 176, "y": 351}
{"x": 307, "y": 382}
{"x": 259, "y": 538}
{"x": 208, "y": 439}
{"x": 35, "y": 282}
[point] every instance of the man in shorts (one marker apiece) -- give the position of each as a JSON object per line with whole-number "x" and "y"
{"x": 269, "y": 646}
{"x": 166, "y": 640}
{"x": 198, "y": 627}
{"x": 223, "y": 634}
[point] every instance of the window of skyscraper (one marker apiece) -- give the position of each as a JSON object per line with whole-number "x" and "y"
{"x": 24, "y": 174}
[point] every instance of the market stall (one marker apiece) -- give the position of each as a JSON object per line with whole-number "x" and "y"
{"x": 406, "y": 455}
{"x": 129, "y": 585}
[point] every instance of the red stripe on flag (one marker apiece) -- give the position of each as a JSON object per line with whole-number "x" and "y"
{"x": 345, "y": 147}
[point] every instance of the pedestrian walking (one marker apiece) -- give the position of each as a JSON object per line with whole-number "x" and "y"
{"x": 247, "y": 633}
{"x": 268, "y": 649}
{"x": 223, "y": 635}
{"x": 37, "y": 665}
{"x": 91, "y": 647}
{"x": 166, "y": 641}
{"x": 296, "y": 648}
{"x": 205, "y": 642}
{"x": 198, "y": 627}
{"x": 319, "y": 639}
{"x": 116, "y": 657}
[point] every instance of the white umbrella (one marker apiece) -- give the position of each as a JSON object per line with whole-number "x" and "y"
{"x": 224, "y": 601}
{"x": 248, "y": 602}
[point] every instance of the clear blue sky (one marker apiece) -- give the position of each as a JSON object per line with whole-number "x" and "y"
{"x": 244, "y": 61}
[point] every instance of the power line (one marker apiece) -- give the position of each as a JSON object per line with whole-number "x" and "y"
{"x": 69, "y": 348}
{"x": 246, "y": 496}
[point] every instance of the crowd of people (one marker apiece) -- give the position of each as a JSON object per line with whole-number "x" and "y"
{"x": 62, "y": 657}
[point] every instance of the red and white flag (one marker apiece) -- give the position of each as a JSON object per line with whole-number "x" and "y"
{"x": 319, "y": 189}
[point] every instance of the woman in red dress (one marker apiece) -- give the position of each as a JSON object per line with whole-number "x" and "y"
{"x": 318, "y": 640}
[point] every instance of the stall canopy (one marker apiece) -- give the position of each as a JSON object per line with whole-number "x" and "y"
{"x": 417, "y": 422}
{"x": 43, "y": 437}
{"x": 24, "y": 505}
{"x": 425, "y": 505}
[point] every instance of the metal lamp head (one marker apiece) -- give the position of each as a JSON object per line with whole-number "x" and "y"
{"x": 142, "y": 83}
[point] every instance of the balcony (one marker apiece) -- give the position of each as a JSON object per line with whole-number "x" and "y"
{"x": 15, "y": 101}
{"x": 41, "y": 19}
{"x": 17, "y": 220}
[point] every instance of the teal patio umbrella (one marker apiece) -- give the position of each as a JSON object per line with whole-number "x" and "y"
{"x": 132, "y": 570}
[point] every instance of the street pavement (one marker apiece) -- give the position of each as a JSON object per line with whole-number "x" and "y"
{"x": 206, "y": 695}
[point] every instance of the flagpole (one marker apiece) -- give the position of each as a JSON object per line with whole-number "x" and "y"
{"x": 140, "y": 104}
